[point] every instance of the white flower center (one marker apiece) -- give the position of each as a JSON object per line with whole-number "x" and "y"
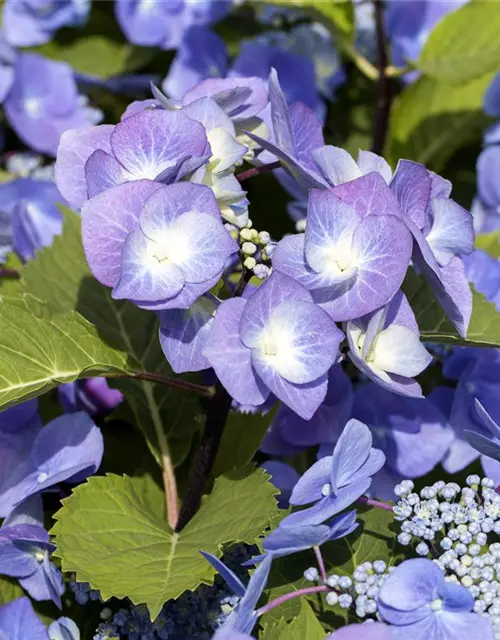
{"x": 42, "y": 477}
{"x": 326, "y": 489}
{"x": 33, "y": 107}
{"x": 437, "y": 605}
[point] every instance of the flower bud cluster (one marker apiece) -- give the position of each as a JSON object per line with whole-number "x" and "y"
{"x": 256, "y": 248}
{"x": 458, "y": 528}
{"x": 359, "y": 591}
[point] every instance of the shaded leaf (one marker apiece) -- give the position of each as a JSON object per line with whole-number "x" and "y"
{"x": 337, "y": 14}
{"x": 304, "y": 626}
{"x": 112, "y": 532}
{"x": 464, "y": 45}
{"x": 484, "y": 327}
{"x": 489, "y": 242}
{"x": 431, "y": 120}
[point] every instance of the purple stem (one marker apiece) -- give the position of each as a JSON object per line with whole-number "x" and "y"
{"x": 257, "y": 171}
{"x": 375, "y": 503}
{"x": 289, "y": 596}
{"x": 321, "y": 563}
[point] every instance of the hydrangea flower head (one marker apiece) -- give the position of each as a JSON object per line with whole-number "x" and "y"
{"x": 370, "y": 631}
{"x": 160, "y": 246}
{"x": 277, "y": 341}
{"x": 153, "y": 144}
{"x": 27, "y": 23}
{"x": 335, "y": 482}
{"x": 385, "y": 345}
{"x": 417, "y": 601}
{"x": 18, "y": 621}
{"x": 351, "y": 260}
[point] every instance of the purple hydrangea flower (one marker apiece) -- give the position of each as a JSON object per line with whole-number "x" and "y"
{"x": 18, "y": 621}
{"x": 289, "y": 539}
{"x": 227, "y": 633}
{"x": 413, "y": 434}
{"x": 34, "y": 216}
{"x": 287, "y": 428}
{"x": 153, "y": 144}
{"x": 244, "y": 617}
{"x": 352, "y": 259}
{"x": 31, "y": 22}
{"x": 283, "y": 477}
{"x": 486, "y": 442}
{"x": 418, "y": 603}
{"x": 385, "y": 345}
{"x": 155, "y": 23}
{"x": 43, "y": 102}
{"x": 184, "y": 333}
{"x": 335, "y": 482}
{"x": 33, "y": 459}
{"x": 410, "y": 23}
{"x": 483, "y": 272}
{"x": 277, "y": 341}
{"x": 364, "y": 631}
{"x": 488, "y": 205}
{"x": 25, "y": 550}
{"x": 93, "y": 395}
{"x": 160, "y": 246}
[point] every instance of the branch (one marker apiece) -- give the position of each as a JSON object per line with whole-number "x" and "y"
{"x": 376, "y": 503}
{"x": 384, "y": 89}
{"x": 167, "y": 381}
{"x": 217, "y": 414}
{"x": 257, "y": 171}
{"x": 289, "y": 596}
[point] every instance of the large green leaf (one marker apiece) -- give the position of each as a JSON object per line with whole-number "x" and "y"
{"x": 431, "y": 120}
{"x": 305, "y": 626}
{"x": 112, "y": 532}
{"x": 60, "y": 275}
{"x": 484, "y": 327}
{"x": 40, "y": 350}
{"x": 464, "y": 45}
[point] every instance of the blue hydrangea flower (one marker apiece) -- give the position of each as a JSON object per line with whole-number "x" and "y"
{"x": 31, "y": 207}
{"x": 43, "y": 102}
{"x": 365, "y": 631}
{"x": 483, "y": 272}
{"x": 244, "y": 617}
{"x": 417, "y": 601}
{"x": 159, "y": 246}
{"x": 413, "y": 434}
{"x": 33, "y": 459}
{"x": 18, "y": 621}
{"x": 27, "y": 23}
{"x": 486, "y": 442}
{"x": 276, "y": 341}
{"x": 335, "y": 482}
{"x": 385, "y": 345}
{"x": 155, "y": 23}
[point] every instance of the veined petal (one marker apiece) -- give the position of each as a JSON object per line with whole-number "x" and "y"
{"x": 369, "y": 195}
{"x": 230, "y": 358}
{"x": 398, "y": 350}
{"x": 451, "y": 233}
{"x": 146, "y": 273}
{"x": 369, "y": 161}
{"x": 309, "y": 486}
{"x": 336, "y": 164}
{"x": 411, "y": 185}
{"x": 350, "y": 453}
{"x": 276, "y": 289}
{"x": 102, "y": 171}
{"x": 107, "y": 219}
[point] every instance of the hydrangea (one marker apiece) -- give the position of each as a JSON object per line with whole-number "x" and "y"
{"x": 276, "y": 341}
{"x": 415, "y": 599}
{"x": 31, "y": 22}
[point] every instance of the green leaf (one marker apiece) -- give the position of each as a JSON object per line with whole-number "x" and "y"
{"x": 60, "y": 275}
{"x": 490, "y": 243}
{"x": 305, "y": 626}
{"x": 464, "y": 45}
{"x": 11, "y": 286}
{"x": 430, "y": 120}
{"x": 112, "y": 532}
{"x": 337, "y": 14}
{"x": 484, "y": 327}
{"x": 243, "y": 434}
{"x": 40, "y": 350}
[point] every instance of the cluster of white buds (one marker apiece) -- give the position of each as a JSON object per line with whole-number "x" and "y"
{"x": 458, "y": 528}
{"x": 256, "y": 248}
